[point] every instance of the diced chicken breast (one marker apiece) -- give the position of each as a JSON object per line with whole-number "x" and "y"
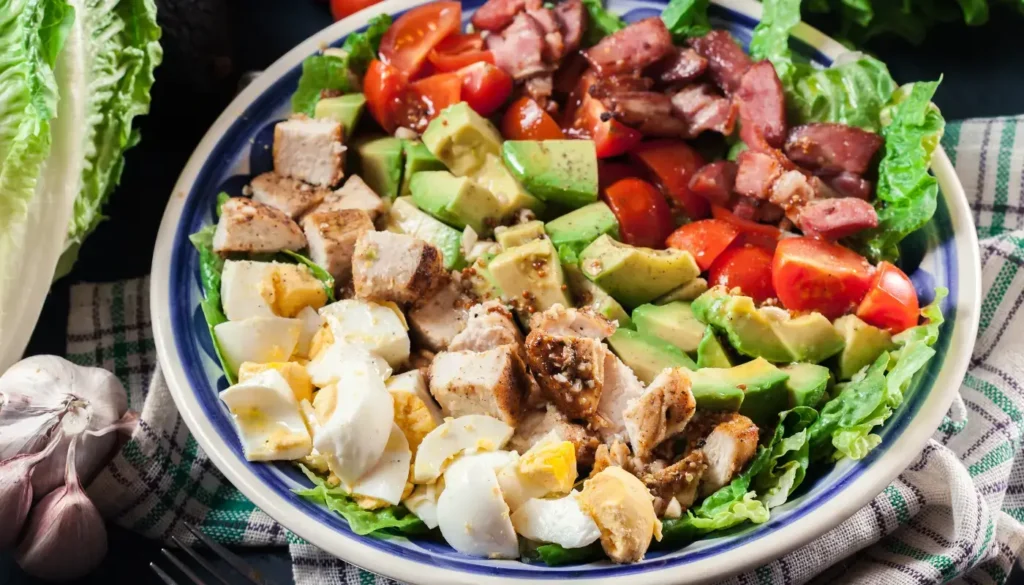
{"x": 489, "y": 325}
{"x": 332, "y": 237}
{"x": 661, "y": 412}
{"x": 396, "y": 267}
{"x": 354, "y": 194}
{"x": 621, "y": 386}
{"x": 437, "y": 319}
{"x": 570, "y": 371}
{"x": 614, "y": 454}
{"x": 730, "y": 446}
{"x": 677, "y": 481}
{"x": 309, "y": 150}
{"x": 584, "y": 322}
{"x": 486, "y": 382}
{"x": 249, "y": 226}
{"x": 534, "y": 425}
{"x": 289, "y": 195}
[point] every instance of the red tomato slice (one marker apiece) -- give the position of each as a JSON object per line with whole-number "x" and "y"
{"x": 672, "y": 163}
{"x": 815, "y": 275}
{"x": 644, "y": 216}
{"x": 410, "y": 39}
{"x": 424, "y": 99}
{"x": 705, "y": 239}
{"x": 892, "y": 301}
{"x": 485, "y": 87}
{"x": 458, "y": 51}
{"x": 342, "y": 8}
{"x": 383, "y": 87}
{"x": 610, "y": 172}
{"x": 525, "y": 120}
{"x": 748, "y": 268}
{"x": 611, "y": 137}
{"x": 751, "y": 232}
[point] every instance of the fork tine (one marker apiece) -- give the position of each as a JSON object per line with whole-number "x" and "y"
{"x": 229, "y": 557}
{"x": 199, "y": 560}
{"x": 182, "y": 567}
{"x": 163, "y": 576}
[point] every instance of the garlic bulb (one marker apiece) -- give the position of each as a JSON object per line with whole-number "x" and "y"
{"x": 65, "y": 537}
{"x": 43, "y": 396}
{"x": 16, "y": 493}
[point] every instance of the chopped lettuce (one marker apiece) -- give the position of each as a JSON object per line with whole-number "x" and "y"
{"x": 317, "y": 271}
{"x": 555, "y": 555}
{"x": 339, "y": 69}
{"x": 771, "y": 36}
{"x": 862, "y": 20}
{"x": 600, "y": 22}
{"x": 686, "y": 18}
{"x": 211, "y": 267}
{"x": 790, "y": 456}
{"x": 382, "y": 522}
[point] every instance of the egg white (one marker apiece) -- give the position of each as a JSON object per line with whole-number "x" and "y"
{"x": 386, "y": 480}
{"x": 267, "y": 418}
{"x": 258, "y": 339}
{"x": 474, "y": 518}
{"x": 376, "y": 328}
{"x": 467, "y": 434}
{"x": 560, "y": 521}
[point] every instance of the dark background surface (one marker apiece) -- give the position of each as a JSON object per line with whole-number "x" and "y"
{"x": 209, "y": 44}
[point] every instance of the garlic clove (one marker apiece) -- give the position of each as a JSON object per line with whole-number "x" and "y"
{"x": 16, "y": 493}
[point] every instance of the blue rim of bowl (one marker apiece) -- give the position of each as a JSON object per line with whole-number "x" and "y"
{"x": 184, "y": 266}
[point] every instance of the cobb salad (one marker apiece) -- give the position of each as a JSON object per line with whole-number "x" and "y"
{"x": 560, "y": 287}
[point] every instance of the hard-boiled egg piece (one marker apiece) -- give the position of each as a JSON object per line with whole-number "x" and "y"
{"x": 467, "y": 434}
{"x": 493, "y": 460}
{"x": 547, "y": 468}
{"x": 386, "y": 480}
{"x": 354, "y": 436}
{"x": 474, "y": 518}
{"x": 559, "y": 521}
{"x": 623, "y": 509}
{"x": 423, "y": 502}
{"x": 257, "y": 339}
{"x": 247, "y": 289}
{"x": 311, "y": 323}
{"x": 415, "y": 383}
{"x": 295, "y": 288}
{"x": 415, "y": 411}
{"x": 376, "y": 328}
{"x": 331, "y": 364}
{"x": 268, "y": 419}
{"x": 293, "y": 373}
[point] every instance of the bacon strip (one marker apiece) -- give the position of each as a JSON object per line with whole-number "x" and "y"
{"x": 715, "y": 181}
{"x": 633, "y": 48}
{"x": 834, "y": 219}
{"x": 703, "y": 109}
{"x": 832, "y": 148}
{"x": 726, "y": 60}
{"x": 495, "y": 15}
{"x": 762, "y": 107}
{"x": 681, "y": 66}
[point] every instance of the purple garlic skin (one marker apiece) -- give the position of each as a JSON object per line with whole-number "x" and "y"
{"x": 15, "y": 497}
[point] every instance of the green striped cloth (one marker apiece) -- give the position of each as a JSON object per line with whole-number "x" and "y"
{"x": 954, "y": 515}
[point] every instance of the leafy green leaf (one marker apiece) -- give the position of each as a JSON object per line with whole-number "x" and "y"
{"x": 211, "y": 267}
{"x": 686, "y": 19}
{"x": 600, "y": 23}
{"x": 928, "y": 332}
{"x": 789, "y": 459}
{"x": 554, "y": 555}
{"x": 381, "y": 522}
{"x": 362, "y": 47}
{"x": 222, "y": 198}
{"x": 851, "y": 93}
{"x": 318, "y": 271}
{"x": 861, "y": 401}
{"x": 771, "y": 36}
{"x": 735, "y": 512}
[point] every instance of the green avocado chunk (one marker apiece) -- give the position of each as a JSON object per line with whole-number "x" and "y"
{"x": 761, "y": 387}
{"x": 530, "y": 276}
{"x": 688, "y": 292}
{"x": 634, "y": 276}
{"x": 560, "y": 171}
{"x": 647, "y": 356}
{"x": 457, "y": 201}
{"x": 406, "y": 218}
{"x": 345, "y": 109}
{"x": 417, "y": 158}
{"x": 673, "y": 323}
{"x": 479, "y": 280}
{"x": 711, "y": 353}
{"x": 494, "y": 177}
{"x": 461, "y": 139}
{"x": 807, "y": 384}
{"x": 588, "y": 294}
{"x": 577, "y": 229}
{"x": 864, "y": 343}
{"x": 809, "y": 338}
{"x": 517, "y": 235}
{"x": 380, "y": 163}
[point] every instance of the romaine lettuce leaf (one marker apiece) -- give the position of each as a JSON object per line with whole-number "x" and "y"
{"x": 382, "y": 522}
{"x": 771, "y": 36}
{"x": 555, "y": 555}
{"x": 211, "y": 267}
{"x": 789, "y": 459}
{"x": 686, "y": 18}
{"x": 600, "y": 22}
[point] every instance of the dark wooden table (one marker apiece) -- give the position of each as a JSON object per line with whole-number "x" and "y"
{"x": 983, "y": 77}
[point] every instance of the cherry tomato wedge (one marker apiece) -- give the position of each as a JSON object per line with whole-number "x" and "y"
{"x": 748, "y": 268}
{"x": 644, "y": 216}
{"x": 815, "y": 275}
{"x": 611, "y": 137}
{"x": 525, "y": 120}
{"x": 672, "y": 163}
{"x": 751, "y": 232}
{"x": 485, "y": 87}
{"x": 892, "y": 301}
{"x": 383, "y": 87}
{"x": 424, "y": 100}
{"x": 705, "y": 239}
{"x": 342, "y": 8}
{"x": 611, "y": 172}
{"x": 410, "y": 39}
{"x": 458, "y": 51}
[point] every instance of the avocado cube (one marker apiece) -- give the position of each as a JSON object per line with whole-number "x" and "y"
{"x": 494, "y": 177}
{"x": 809, "y": 338}
{"x": 749, "y": 331}
{"x": 479, "y": 280}
{"x": 577, "y": 229}
{"x": 634, "y": 276}
{"x": 863, "y": 344}
{"x": 762, "y": 387}
{"x": 807, "y": 384}
{"x": 531, "y": 276}
{"x": 647, "y": 356}
{"x": 517, "y": 235}
{"x": 688, "y": 292}
{"x": 457, "y": 201}
{"x": 406, "y": 218}
{"x": 710, "y": 351}
{"x": 380, "y": 163}
{"x": 673, "y": 323}
{"x": 461, "y": 139}
{"x": 417, "y": 158}
{"x": 560, "y": 171}
{"x": 588, "y": 294}
{"x": 345, "y": 109}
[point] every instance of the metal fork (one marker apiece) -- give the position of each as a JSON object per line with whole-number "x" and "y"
{"x": 229, "y": 557}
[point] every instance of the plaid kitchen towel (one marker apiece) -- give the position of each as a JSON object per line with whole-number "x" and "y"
{"x": 954, "y": 515}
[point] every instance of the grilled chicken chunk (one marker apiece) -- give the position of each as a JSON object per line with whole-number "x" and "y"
{"x": 249, "y": 226}
{"x": 621, "y": 386}
{"x": 309, "y": 150}
{"x": 660, "y": 413}
{"x": 354, "y": 194}
{"x": 584, "y": 322}
{"x": 614, "y": 454}
{"x": 479, "y": 382}
{"x": 396, "y": 267}
{"x": 678, "y": 480}
{"x": 289, "y": 195}
{"x": 534, "y": 425}
{"x": 332, "y": 237}
{"x": 730, "y": 446}
{"x": 570, "y": 370}
{"x": 489, "y": 325}
{"x": 437, "y": 319}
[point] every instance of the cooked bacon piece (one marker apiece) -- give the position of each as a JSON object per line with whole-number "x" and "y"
{"x": 792, "y": 189}
{"x": 633, "y": 48}
{"x": 539, "y": 89}
{"x": 746, "y": 208}
{"x": 495, "y": 15}
{"x": 574, "y": 20}
{"x": 703, "y": 109}
{"x": 519, "y": 49}
{"x": 833, "y": 219}
{"x": 832, "y": 148}
{"x": 714, "y": 182}
{"x": 554, "y": 45}
{"x": 726, "y": 60}
{"x": 768, "y": 212}
{"x": 567, "y": 77}
{"x": 647, "y": 111}
{"x": 762, "y": 107}
{"x": 681, "y": 66}
{"x": 756, "y": 173}
{"x": 852, "y": 185}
